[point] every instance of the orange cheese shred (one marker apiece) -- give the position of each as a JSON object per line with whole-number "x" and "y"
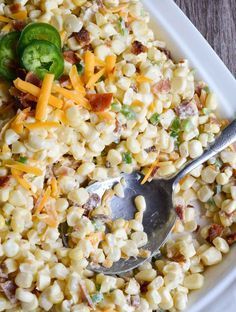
{"x": 42, "y": 125}
{"x": 43, "y": 201}
{"x": 22, "y": 15}
{"x": 17, "y": 123}
{"x": 25, "y": 184}
{"x": 110, "y": 63}
{"x": 94, "y": 78}
{"x": 141, "y": 79}
{"x": 4, "y": 19}
{"x": 54, "y": 186}
{"x": 99, "y": 62}
{"x": 35, "y": 91}
{"x": 76, "y": 80}
{"x": 74, "y": 96}
{"x": 41, "y": 107}
{"x": 25, "y": 168}
{"x": 148, "y": 174}
{"x": 89, "y": 61}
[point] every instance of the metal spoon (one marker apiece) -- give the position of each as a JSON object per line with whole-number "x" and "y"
{"x": 160, "y": 216}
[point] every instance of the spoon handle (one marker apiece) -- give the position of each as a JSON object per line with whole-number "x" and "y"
{"x": 227, "y": 137}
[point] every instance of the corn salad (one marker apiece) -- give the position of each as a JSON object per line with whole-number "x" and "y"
{"x": 152, "y": 116}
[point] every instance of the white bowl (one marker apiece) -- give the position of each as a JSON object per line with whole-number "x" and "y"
{"x": 184, "y": 41}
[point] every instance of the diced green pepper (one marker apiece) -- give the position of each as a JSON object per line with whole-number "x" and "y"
{"x": 128, "y": 112}
{"x": 127, "y": 158}
{"x": 116, "y": 107}
{"x": 155, "y": 118}
{"x": 80, "y": 68}
{"x": 23, "y": 160}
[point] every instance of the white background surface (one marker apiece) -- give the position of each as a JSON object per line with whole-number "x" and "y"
{"x": 183, "y": 39}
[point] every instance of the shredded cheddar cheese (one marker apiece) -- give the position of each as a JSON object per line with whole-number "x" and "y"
{"x": 71, "y": 95}
{"x": 141, "y": 79}
{"x": 41, "y": 125}
{"x": 89, "y": 61}
{"x": 25, "y": 184}
{"x": 4, "y": 19}
{"x": 110, "y": 63}
{"x": 25, "y": 168}
{"x": 150, "y": 170}
{"x": 35, "y": 91}
{"x": 41, "y": 108}
{"x": 76, "y": 80}
{"x": 22, "y": 15}
{"x": 94, "y": 78}
{"x": 54, "y": 186}
{"x": 43, "y": 201}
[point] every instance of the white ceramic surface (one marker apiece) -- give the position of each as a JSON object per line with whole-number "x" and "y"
{"x": 183, "y": 39}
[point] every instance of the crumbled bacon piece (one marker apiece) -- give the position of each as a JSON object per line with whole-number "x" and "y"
{"x": 138, "y": 47}
{"x": 135, "y": 301}
{"x": 178, "y": 257}
{"x": 151, "y": 149}
{"x": 92, "y": 202}
{"x": 15, "y": 7}
{"x": 4, "y": 181}
{"x": 166, "y": 52}
{"x": 18, "y": 25}
{"x": 163, "y": 86}
{"x": 32, "y": 78}
{"x": 21, "y": 73}
{"x": 9, "y": 290}
{"x": 70, "y": 57}
{"x": 24, "y": 100}
{"x": 214, "y": 231}
{"x": 186, "y": 109}
{"x": 82, "y": 37}
{"x": 154, "y": 171}
{"x": 118, "y": 127}
{"x": 64, "y": 81}
{"x": 100, "y": 102}
{"x": 231, "y": 238}
{"x": 179, "y": 211}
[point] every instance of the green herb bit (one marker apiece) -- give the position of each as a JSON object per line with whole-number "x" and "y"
{"x": 116, "y": 107}
{"x": 80, "y": 68}
{"x": 128, "y": 112}
{"x": 187, "y": 125}
{"x": 206, "y": 111}
{"x": 175, "y": 128}
{"x": 155, "y": 118}
{"x": 23, "y": 160}
{"x": 206, "y": 89}
{"x": 121, "y": 25}
{"x": 127, "y": 158}
{"x": 96, "y": 298}
{"x": 211, "y": 202}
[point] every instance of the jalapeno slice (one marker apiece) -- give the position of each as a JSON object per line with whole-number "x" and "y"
{"x": 8, "y": 55}
{"x": 39, "y": 31}
{"x": 43, "y": 57}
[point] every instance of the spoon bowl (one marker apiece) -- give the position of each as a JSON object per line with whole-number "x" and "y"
{"x": 159, "y": 216}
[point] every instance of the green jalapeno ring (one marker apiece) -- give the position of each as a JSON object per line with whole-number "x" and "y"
{"x": 38, "y": 31}
{"x": 8, "y": 55}
{"x": 43, "y": 57}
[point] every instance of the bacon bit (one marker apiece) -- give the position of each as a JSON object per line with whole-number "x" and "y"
{"x": 144, "y": 287}
{"x": 9, "y": 290}
{"x": 4, "y": 181}
{"x": 135, "y": 301}
{"x": 15, "y": 8}
{"x": 166, "y": 52}
{"x": 18, "y": 25}
{"x": 100, "y": 102}
{"x": 25, "y": 100}
{"x": 138, "y": 47}
{"x": 178, "y": 257}
{"x": 180, "y": 211}
{"x": 118, "y": 127}
{"x": 65, "y": 81}
{"x": 163, "y": 86}
{"x": 92, "y": 202}
{"x": 85, "y": 294}
{"x": 82, "y": 37}
{"x": 214, "y": 231}
{"x": 21, "y": 73}
{"x": 231, "y": 238}
{"x": 151, "y": 149}
{"x": 186, "y": 109}
{"x": 71, "y": 57}
{"x": 32, "y": 78}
